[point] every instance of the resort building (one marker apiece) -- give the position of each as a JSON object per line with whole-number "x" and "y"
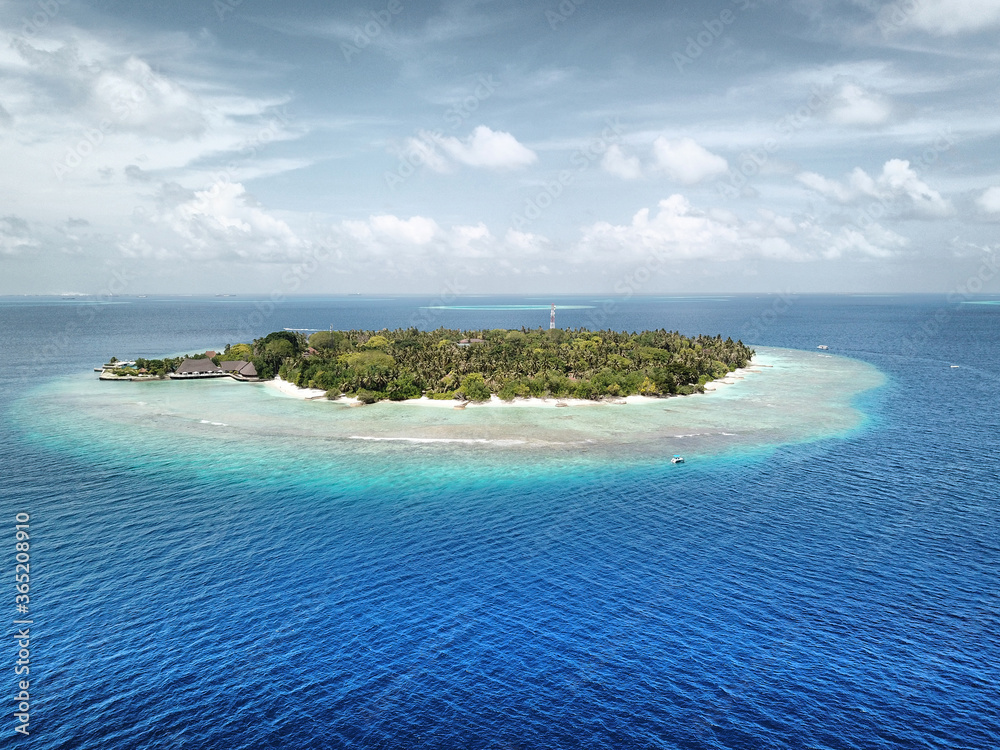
{"x": 240, "y": 368}
{"x": 191, "y": 369}
{"x": 197, "y": 368}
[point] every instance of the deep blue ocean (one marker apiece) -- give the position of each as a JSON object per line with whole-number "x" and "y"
{"x": 841, "y": 593}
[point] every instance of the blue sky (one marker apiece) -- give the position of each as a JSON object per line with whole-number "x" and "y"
{"x": 227, "y": 146}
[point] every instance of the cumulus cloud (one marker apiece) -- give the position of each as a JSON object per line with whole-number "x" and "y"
{"x": 854, "y": 105}
{"x": 873, "y": 241}
{"x": 93, "y": 107}
{"x": 96, "y": 85}
{"x": 687, "y": 162}
{"x": 491, "y": 149}
{"x": 949, "y": 17}
{"x": 527, "y": 243}
{"x": 135, "y": 245}
{"x": 617, "y": 163}
{"x": 681, "y": 232}
{"x": 386, "y": 228}
{"x": 989, "y": 201}
{"x": 898, "y": 182}
{"x": 483, "y": 148}
{"x": 139, "y": 100}
{"x": 412, "y": 246}
{"x": 678, "y": 231}
{"x": 222, "y": 221}
{"x": 423, "y": 150}
{"x": 831, "y": 189}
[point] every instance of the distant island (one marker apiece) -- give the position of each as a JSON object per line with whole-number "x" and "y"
{"x": 472, "y": 366}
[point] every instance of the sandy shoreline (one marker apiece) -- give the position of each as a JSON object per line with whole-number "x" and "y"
{"x": 317, "y": 394}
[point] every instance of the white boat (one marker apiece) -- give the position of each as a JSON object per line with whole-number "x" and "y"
{"x": 677, "y": 459}
{"x": 822, "y": 346}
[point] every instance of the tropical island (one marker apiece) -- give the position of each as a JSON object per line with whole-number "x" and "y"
{"x": 473, "y": 366}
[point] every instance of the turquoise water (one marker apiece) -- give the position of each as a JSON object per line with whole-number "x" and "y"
{"x": 215, "y": 565}
{"x": 788, "y": 396}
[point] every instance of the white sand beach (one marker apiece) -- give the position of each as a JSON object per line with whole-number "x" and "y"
{"x": 290, "y": 389}
{"x": 318, "y": 394}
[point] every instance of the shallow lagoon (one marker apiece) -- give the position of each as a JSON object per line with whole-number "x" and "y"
{"x": 788, "y": 396}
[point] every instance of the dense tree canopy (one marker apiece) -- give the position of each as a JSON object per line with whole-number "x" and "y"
{"x": 473, "y": 365}
{"x": 406, "y": 363}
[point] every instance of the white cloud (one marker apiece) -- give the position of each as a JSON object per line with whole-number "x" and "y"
{"x": 851, "y": 240}
{"x": 490, "y": 149}
{"x": 831, "y": 189}
{"x": 416, "y": 230}
{"x": 471, "y": 236}
{"x": 137, "y": 246}
{"x": 950, "y": 17}
{"x": 92, "y": 83}
{"x": 413, "y": 246}
{"x": 680, "y": 232}
{"x": 686, "y": 162}
{"x": 422, "y": 150}
{"x": 224, "y": 221}
{"x": 989, "y": 201}
{"x": 853, "y": 105}
{"x": 483, "y": 148}
{"x": 526, "y": 242}
{"x": 898, "y": 177}
{"x": 141, "y": 101}
{"x": 898, "y": 182}
{"x": 617, "y": 163}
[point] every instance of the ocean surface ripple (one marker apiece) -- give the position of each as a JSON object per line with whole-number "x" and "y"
{"x": 835, "y": 593}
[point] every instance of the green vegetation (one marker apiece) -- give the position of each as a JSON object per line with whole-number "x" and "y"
{"x": 233, "y": 352}
{"x": 408, "y": 363}
{"x": 158, "y": 367}
{"x": 271, "y": 351}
